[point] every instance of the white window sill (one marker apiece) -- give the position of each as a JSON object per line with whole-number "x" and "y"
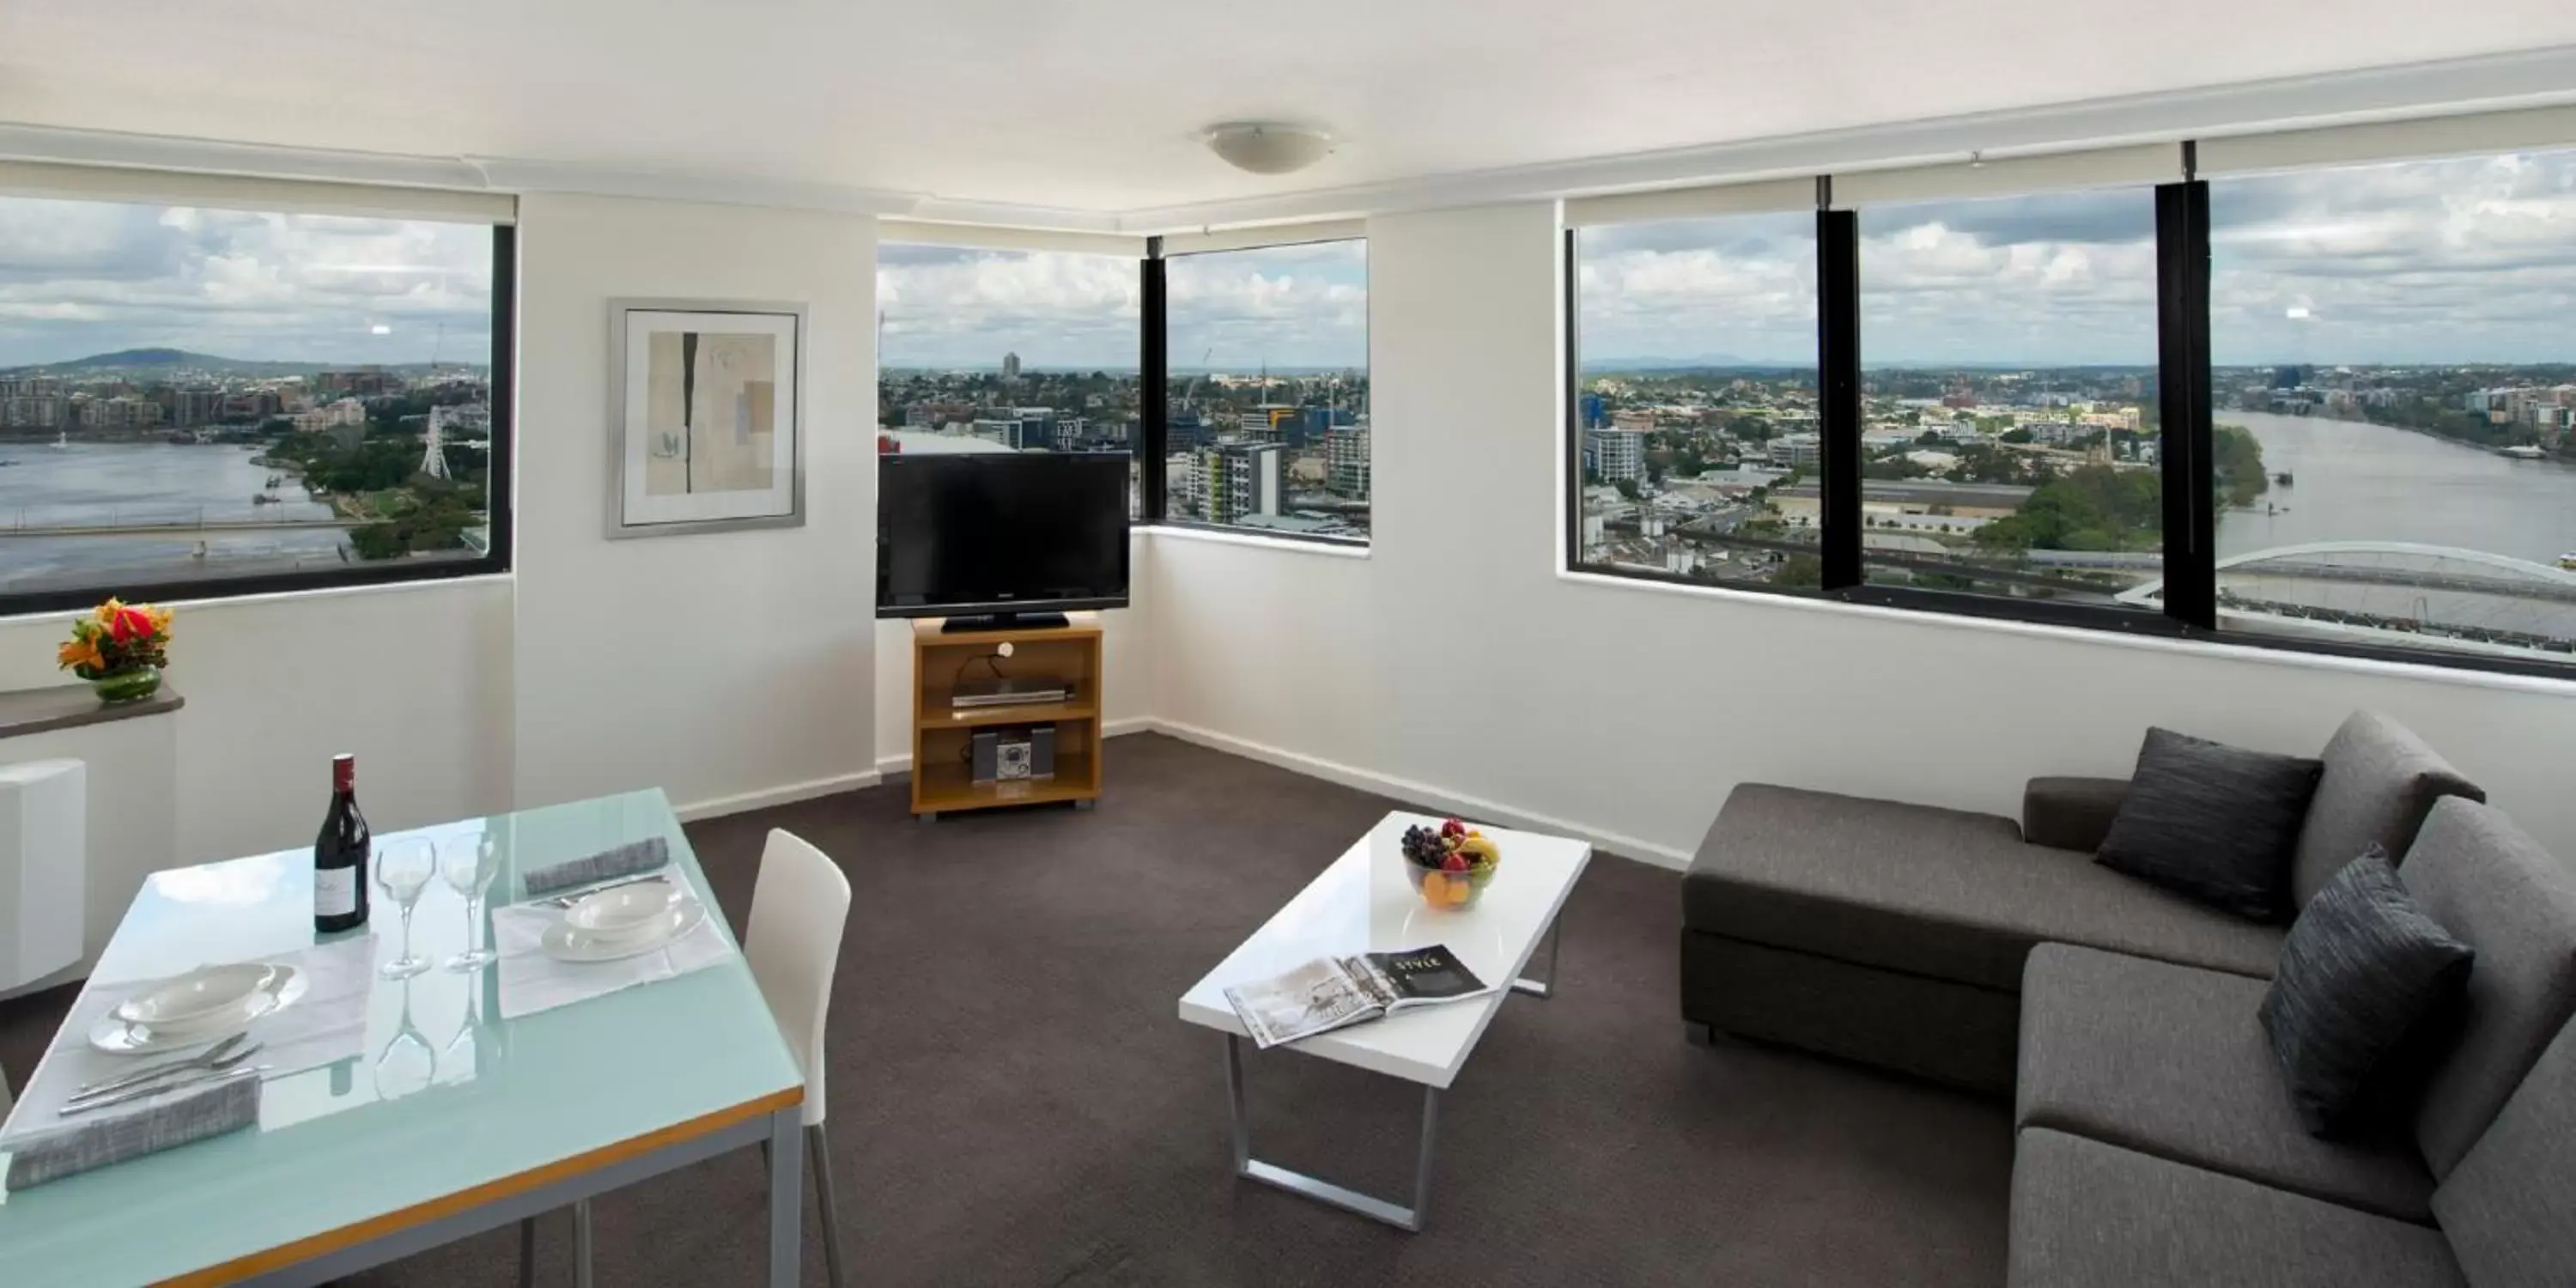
{"x": 219, "y": 603}
{"x": 2430, "y": 672}
{"x": 1219, "y": 536}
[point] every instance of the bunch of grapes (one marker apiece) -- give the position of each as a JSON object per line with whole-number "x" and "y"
{"x": 1425, "y": 847}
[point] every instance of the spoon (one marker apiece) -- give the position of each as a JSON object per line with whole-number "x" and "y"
{"x": 151, "y": 1071}
{"x": 138, "y": 1090}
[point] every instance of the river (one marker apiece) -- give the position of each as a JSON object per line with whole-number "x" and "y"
{"x": 99, "y": 483}
{"x": 2354, "y": 481}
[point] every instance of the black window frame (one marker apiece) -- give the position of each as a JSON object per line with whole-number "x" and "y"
{"x": 2188, "y": 600}
{"x": 1154, "y": 417}
{"x": 390, "y": 572}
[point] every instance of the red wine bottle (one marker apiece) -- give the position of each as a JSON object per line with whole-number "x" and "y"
{"x": 340, "y": 855}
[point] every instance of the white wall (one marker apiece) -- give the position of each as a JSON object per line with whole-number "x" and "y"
{"x": 413, "y": 680}
{"x": 1454, "y": 663}
{"x": 729, "y": 669}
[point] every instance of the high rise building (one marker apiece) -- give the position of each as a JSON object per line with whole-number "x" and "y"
{"x": 1244, "y": 479}
{"x": 1614, "y": 454}
{"x": 1185, "y": 485}
{"x": 1346, "y": 461}
{"x": 1010, "y": 366}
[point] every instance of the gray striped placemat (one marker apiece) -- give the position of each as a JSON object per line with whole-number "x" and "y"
{"x": 164, "y": 1122}
{"x": 625, "y": 860}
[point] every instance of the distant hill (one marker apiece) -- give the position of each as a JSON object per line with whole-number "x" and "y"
{"x": 182, "y": 359}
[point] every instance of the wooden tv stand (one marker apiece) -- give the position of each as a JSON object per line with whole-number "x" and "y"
{"x": 942, "y": 777}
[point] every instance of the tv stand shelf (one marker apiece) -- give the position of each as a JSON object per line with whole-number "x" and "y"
{"x": 942, "y": 734}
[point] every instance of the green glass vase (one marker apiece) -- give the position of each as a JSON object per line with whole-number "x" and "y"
{"x": 133, "y": 684}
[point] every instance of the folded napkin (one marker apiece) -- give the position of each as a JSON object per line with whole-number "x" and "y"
{"x": 325, "y": 1025}
{"x": 531, "y": 981}
{"x": 159, "y": 1123}
{"x": 625, "y": 860}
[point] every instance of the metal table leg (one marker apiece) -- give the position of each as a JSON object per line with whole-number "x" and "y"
{"x": 786, "y": 1195}
{"x": 1349, "y": 1200}
{"x": 1542, "y": 987}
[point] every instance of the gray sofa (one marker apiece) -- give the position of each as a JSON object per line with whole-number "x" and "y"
{"x": 2154, "y": 1141}
{"x": 1895, "y": 934}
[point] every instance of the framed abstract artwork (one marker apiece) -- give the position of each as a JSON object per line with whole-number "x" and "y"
{"x": 706, "y": 416}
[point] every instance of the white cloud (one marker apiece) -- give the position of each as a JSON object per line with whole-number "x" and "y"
{"x": 2461, "y": 260}
{"x": 78, "y": 278}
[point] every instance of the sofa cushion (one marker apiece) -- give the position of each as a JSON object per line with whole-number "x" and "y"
{"x": 2367, "y": 993}
{"x": 2086, "y": 1215}
{"x": 2514, "y": 902}
{"x": 2168, "y": 1060}
{"x": 2380, "y": 780}
{"x": 1937, "y": 892}
{"x": 2506, "y": 1206}
{"x": 2071, "y": 813}
{"x": 2214, "y": 822}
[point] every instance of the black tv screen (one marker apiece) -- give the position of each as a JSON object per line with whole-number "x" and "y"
{"x": 1001, "y": 532}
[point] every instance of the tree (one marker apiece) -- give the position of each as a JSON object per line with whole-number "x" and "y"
{"x": 1627, "y": 488}
{"x": 2237, "y": 463}
{"x": 2017, "y": 435}
{"x": 1801, "y": 572}
{"x": 2091, "y": 508}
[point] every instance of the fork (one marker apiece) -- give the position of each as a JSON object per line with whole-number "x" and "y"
{"x": 568, "y": 900}
{"x": 150, "y": 1071}
{"x": 213, "y": 1073}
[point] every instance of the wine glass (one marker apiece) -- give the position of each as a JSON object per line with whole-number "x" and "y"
{"x": 403, "y": 867}
{"x": 468, "y": 863}
{"x": 406, "y": 1064}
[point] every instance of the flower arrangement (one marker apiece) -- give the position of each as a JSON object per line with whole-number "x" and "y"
{"x": 120, "y": 649}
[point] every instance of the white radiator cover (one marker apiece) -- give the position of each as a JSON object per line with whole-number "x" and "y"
{"x": 44, "y": 867}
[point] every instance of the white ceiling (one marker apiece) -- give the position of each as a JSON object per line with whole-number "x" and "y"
{"x": 1091, "y": 104}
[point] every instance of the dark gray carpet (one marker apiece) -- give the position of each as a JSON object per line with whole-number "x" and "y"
{"x": 1014, "y": 1102}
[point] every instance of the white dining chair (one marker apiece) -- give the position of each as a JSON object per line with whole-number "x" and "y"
{"x": 799, "y": 907}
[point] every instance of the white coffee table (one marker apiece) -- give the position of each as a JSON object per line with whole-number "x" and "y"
{"x": 1364, "y": 903}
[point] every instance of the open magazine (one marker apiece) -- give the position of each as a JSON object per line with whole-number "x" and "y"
{"x": 1330, "y": 992}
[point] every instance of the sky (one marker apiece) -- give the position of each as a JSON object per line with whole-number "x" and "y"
{"x": 85, "y": 277}
{"x": 2469, "y": 260}
{"x": 1287, "y": 306}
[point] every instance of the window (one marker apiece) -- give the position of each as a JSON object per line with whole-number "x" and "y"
{"x": 1267, "y": 428}
{"x": 1697, "y": 442}
{"x": 984, "y": 350}
{"x": 2274, "y": 389}
{"x": 2009, "y": 436}
{"x": 2393, "y": 353}
{"x": 199, "y": 401}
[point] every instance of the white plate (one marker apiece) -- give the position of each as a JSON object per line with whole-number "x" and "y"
{"x": 564, "y": 941}
{"x": 118, "y": 1037}
{"x": 623, "y": 910}
{"x": 203, "y": 995}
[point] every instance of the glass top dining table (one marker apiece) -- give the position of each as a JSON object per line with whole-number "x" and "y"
{"x": 453, "y": 1120}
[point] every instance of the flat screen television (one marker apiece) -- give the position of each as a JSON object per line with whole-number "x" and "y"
{"x": 1001, "y": 538}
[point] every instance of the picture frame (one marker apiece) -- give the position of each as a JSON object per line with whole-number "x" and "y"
{"x": 706, "y": 411}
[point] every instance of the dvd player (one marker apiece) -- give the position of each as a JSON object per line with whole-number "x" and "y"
{"x": 972, "y": 694}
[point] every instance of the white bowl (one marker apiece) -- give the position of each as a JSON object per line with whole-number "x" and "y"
{"x": 623, "y": 910}
{"x": 204, "y": 995}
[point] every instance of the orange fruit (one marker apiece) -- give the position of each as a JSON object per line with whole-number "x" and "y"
{"x": 1435, "y": 887}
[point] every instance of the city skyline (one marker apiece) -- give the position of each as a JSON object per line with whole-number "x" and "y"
{"x": 81, "y": 278}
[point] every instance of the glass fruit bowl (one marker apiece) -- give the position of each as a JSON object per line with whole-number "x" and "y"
{"x": 1449, "y": 865}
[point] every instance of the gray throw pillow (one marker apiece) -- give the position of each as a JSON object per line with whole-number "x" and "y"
{"x": 2368, "y": 993}
{"x": 2213, "y": 822}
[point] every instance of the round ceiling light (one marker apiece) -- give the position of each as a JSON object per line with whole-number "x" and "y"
{"x": 1267, "y": 147}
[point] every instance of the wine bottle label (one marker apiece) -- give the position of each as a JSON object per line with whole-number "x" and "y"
{"x": 335, "y": 892}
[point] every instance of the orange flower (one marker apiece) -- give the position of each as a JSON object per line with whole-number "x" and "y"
{"x": 77, "y": 653}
